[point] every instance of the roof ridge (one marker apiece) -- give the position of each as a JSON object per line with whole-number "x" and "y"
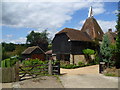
{"x": 32, "y": 49}
{"x": 72, "y": 29}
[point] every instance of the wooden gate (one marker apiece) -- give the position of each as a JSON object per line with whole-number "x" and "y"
{"x": 55, "y": 67}
{"x": 21, "y": 72}
{"x": 32, "y": 71}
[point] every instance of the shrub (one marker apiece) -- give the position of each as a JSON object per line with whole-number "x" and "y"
{"x": 33, "y": 62}
{"x": 97, "y": 58}
{"x": 71, "y": 66}
{"x": 55, "y": 62}
{"x": 9, "y": 62}
{"x": 88, "y": 51}
{"x": 81, "y": 64}
{"x": 112, "y": 72}
{"x": 35, "y": 66}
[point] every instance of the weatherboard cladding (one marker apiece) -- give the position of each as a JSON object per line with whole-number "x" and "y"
{"x": 60, "y": 44}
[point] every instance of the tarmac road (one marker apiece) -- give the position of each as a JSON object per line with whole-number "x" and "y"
{"x": 88, "y": 81}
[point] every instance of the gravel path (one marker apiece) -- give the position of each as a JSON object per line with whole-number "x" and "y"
{"x": 87, "y": 77}
{"x": 83, "y": 70}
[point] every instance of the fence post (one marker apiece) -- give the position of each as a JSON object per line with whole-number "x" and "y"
{"x": 59, "y": 67}
{"x": 50, "y": 67}
{"x": 101, "y": 67}
{"x": 17, "y": 78}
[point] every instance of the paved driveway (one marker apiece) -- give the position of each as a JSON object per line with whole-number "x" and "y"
{"x": 40, "y": 82}
{"x": 87, "y": 77}
{"x": 88, "y": 81}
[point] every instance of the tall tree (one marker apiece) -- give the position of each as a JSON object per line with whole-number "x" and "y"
{"x": 39, "y": 39}
{"x": 118, "y": 39}
{"x": 106, "y": 50}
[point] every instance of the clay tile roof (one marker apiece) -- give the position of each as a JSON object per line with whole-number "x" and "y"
{"x": 48, "y": 52}
{"x": 29, "y": 50}
{"x": 92, "y": 28}
{"x": 75, "y": 35}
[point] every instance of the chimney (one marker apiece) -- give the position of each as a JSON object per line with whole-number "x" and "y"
{"x": 110, "y": 30}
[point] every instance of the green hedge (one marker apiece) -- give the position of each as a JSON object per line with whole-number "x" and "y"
{"x": 71, "y": 66}
{"x": 33, "y": 62}
{"x": 80, "y": 64}
{"x": 9, "y": 62}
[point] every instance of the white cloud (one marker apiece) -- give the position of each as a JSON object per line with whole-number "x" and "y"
{"x": 96, "y": 8}
{"x": 1, "y": 40}
{"x": 19, "y": 40}
{"x": 9, "y": 36}
{"x": 60, "y": 0}
{"x": 105, "y": 25}
{"x": 115, "y": 12}
{"x": 43, "y": 15}
{"x": 80, "y": 24}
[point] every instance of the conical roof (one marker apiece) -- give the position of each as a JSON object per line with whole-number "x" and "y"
{"x": 92, "y": 28}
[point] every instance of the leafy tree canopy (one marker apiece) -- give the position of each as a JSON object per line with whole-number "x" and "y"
{"x": 39, "y": 39}
{"x": 88, "y": 51}
{"x": 105, "y": 50}
{"x": 117, "y": 64}
{"x": 118, "y": 30}
{"x": 8, "y": 46}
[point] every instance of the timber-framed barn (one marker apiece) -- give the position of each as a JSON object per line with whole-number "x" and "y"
{"x": 69, "y": 43}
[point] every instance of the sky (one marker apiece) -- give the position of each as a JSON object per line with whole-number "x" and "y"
{"x": 20, "y": 18}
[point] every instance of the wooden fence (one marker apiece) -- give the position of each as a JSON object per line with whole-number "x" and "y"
{"x": 19, "y": 72}
{"x": 10, "y": 74}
